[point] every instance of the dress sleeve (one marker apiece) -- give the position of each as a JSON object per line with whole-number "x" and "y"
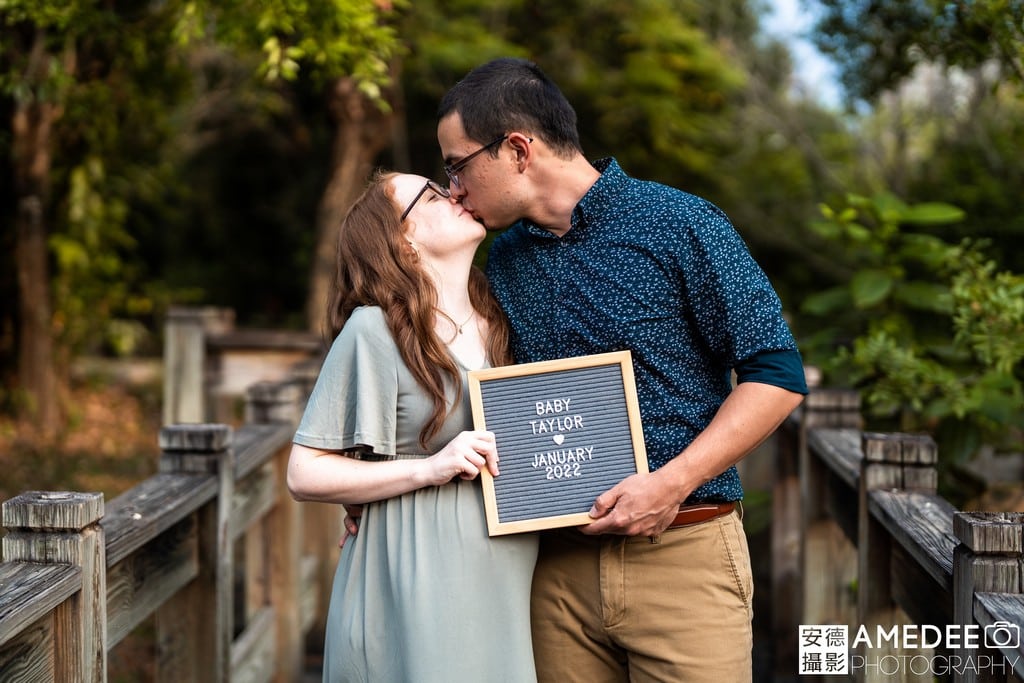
{"x": 354, "y": 403}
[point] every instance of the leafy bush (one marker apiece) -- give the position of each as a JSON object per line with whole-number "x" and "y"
{"x": 930, "y": 333}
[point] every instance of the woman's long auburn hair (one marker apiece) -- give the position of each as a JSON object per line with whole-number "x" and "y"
{"x": 376, "y": 266}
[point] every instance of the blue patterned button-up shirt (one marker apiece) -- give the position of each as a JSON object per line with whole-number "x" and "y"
{"x": 662, "y": 273}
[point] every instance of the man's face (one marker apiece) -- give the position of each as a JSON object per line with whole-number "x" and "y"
{"x": 478, "y": 180}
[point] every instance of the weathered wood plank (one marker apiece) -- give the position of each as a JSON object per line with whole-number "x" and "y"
{"x": 841, "y": 504}
{"x": 254, "y": 651}
{"x": 1008, "y": 608}
{"x": 309, "y": 597}
{"x": 158, "y": 503}
{"x": 254, "y": 497}
{"x": 52, "y": 510}
{"x": 28, "y": 658}
{"x": 29, "y": 591}
{"x": 145, "y": 511}
{"x": 256, "y": 444}
{"x": 991, "y": 532}
{"x": 923, "y": 524}
{"x": 840, "y": 450}
{"x": 185, "y": 333}
{"x": 917, "y": 592}
{"x": 140, "y": 583}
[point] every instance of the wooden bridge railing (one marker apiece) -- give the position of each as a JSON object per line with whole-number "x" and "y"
{"x": 860, "y": 538}
{"x": 232, "y": 571}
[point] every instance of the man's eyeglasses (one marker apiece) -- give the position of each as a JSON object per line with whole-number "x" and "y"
{"x": 436, "y": 188}
{"x": 453, "y": 170}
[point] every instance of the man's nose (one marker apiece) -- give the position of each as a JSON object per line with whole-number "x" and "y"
{"x": 457, "y": 193}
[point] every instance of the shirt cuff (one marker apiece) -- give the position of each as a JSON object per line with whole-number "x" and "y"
{"x": 784, "y": 369}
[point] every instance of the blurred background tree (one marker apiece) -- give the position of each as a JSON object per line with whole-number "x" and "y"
{"x": 109, "y": 108}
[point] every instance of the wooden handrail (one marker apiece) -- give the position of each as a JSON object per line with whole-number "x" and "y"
{"x": 879, "y": 548}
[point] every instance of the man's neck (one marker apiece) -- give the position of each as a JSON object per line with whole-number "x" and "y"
{"x": 565, "y": 182}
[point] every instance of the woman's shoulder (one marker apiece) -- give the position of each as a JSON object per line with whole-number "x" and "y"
{"x": 366, "y": 323}
{"x": 363, "y": 316}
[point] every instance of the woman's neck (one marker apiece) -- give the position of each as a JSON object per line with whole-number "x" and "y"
{"x": 451, "y": 280}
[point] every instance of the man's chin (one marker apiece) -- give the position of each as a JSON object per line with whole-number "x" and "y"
{"x": 490, "y": 227}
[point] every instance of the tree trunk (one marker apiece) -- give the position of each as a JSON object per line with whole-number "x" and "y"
{"x": 32, "y": 126}
{"x": 362, "y": 130}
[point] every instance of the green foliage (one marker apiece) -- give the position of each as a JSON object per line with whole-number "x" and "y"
{"x": 887, "y": 273}
{"x": 326, "y": 39}
{"x": 989, "y": 311}
{"x": 929, "y": 332}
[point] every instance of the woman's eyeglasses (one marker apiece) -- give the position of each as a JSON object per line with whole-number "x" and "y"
{"x": 436, "y": 188}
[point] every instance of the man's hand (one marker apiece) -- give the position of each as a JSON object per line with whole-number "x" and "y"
{"x": 639, "y": 505}
{"x": 351, "y": 522}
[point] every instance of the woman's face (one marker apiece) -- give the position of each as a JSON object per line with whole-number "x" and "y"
{"x": 439, "y": 226}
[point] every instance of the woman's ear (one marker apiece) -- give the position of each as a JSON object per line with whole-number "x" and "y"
{"x": 415, "y": 253}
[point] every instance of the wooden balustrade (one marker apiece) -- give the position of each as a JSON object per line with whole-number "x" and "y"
{"x": 861, "y": 539}
{"x": 234, "y": 573}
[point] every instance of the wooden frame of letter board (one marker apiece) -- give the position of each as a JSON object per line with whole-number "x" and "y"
{"x": 495, "y": 527}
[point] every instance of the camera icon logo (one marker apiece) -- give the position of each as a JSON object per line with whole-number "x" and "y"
{"x": 1002, "y": 634}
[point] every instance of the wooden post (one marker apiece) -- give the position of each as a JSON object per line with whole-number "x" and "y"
{"x": 828, "y": 559}
{"x": 268, "y": 402}
{"x": 282, "y": 402}
{"x": 185, "y": 363}
{"x": 63, "y": 528}
{"x": 891, "y": 461}
{"x": 195, "y": 629}
{"x": 989, "y": 558}
{"x": 785, "y": 548}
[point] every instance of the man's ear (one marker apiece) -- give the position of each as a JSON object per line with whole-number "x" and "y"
{"x": 521, "y": 145}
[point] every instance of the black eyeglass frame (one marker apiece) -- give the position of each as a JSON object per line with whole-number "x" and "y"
{"x": 437, "y": 188}
{"x": 452, "y": 171}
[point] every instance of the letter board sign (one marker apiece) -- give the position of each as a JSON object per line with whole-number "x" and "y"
{"x": 567, "y": 430}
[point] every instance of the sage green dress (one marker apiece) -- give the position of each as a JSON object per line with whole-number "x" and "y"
{"x": 421, "y": 594}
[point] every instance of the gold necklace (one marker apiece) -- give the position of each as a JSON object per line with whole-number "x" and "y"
{"x": 458, "y": 327}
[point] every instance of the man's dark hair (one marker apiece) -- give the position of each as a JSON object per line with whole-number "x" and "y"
{"x": 510, "y": 94}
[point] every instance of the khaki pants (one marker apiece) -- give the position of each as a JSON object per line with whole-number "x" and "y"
{"x": 613, "y": 608}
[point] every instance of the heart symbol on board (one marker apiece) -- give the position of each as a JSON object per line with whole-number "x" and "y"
{"x": 559, "y": 438}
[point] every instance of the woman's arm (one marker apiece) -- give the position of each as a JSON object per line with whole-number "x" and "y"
{"x": 333, "y": 477}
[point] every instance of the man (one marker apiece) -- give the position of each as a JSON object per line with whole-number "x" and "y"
{"x": 658, "y": 586}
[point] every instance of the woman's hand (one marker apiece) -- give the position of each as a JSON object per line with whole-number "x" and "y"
{"x": 463, "y": 457}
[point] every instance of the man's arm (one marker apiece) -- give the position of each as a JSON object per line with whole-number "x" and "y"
{"x": 645, "y": 504}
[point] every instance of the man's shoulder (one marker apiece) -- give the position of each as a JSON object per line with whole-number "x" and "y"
{"x": 653, "y": 209}
{"x": 656, "y": 199}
